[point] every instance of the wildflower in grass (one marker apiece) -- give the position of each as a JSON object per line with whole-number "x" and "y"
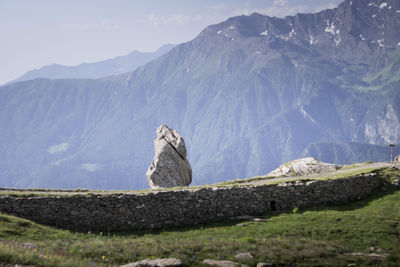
{"x": 103, "y": 257}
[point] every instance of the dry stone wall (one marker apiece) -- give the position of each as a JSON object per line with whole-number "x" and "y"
{"x": 186, "y": 207}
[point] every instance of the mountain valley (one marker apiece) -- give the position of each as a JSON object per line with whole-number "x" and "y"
{"x": 246, "y": 94}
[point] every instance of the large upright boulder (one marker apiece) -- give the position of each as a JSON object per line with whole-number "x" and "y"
{"x": 169, "y": 168}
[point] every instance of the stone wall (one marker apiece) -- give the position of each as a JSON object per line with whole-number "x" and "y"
{"x": 185, "y": 207}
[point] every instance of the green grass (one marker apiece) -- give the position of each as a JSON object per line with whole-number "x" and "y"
{"x": 313, "y": 237}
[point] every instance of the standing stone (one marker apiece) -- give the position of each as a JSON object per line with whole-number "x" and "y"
{"x": 169, "y": 168}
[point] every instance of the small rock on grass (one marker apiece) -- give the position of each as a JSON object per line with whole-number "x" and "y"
{"x": 244, "y": 256}
{"x": 222, "y": 263}
{"x": 263, "y": 264}
{"x": 260, "y": 220}
{"x": 169, "y": 262}
{"x": 244, "y": 217}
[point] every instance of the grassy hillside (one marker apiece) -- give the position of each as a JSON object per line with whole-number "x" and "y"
{"x": 366, "y": 232}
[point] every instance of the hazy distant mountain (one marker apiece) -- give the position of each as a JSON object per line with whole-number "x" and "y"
{"x": 117, "y": 65}
{"x": 246, "y": 94}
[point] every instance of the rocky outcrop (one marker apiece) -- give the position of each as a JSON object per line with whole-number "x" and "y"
{"x": 169, "y": 168}
{"x": 302, "y": 167}
{"x": 397, "y": 158}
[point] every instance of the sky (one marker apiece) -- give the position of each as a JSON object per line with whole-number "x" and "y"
{"x": 35, "y": 33}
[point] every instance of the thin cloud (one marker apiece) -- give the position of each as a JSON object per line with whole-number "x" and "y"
{"x": 173, "y": 19}
{"x": 177, "y": 19}
{"x": 90, "y": 167}
{"x": 217, "y": 13}
{"x": 280, "y": 3}
{"x": 104, "y": 25}
{"x": 58, "y": 148}
{"x": 281, "y": 8}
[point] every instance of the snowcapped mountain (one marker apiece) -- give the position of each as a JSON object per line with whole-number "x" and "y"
{"x": 246, "y": 94}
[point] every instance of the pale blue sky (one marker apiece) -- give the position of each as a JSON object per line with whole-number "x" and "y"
{"x": 35, "y": 33}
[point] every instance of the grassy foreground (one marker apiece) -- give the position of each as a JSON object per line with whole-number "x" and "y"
{"x": 362, "y": 233}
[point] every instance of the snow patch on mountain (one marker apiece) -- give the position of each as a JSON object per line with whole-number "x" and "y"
{"x": 312, "y": 41}
{"x": 330, "y": 27}
{"x": 306, "y": 115}
{"x": 339, "y": 39}
{"x": 292, "y": 32}
{"x": 383, "y": 5}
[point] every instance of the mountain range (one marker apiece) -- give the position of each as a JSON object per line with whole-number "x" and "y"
{"x": 114, "y": 66}
{"x": 247, "y": 94}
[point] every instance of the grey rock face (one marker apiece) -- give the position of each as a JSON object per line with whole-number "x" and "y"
{"x": 169, "y": 168}
{"x": 303, "y": 166}
{"x": 169, "y": 262}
